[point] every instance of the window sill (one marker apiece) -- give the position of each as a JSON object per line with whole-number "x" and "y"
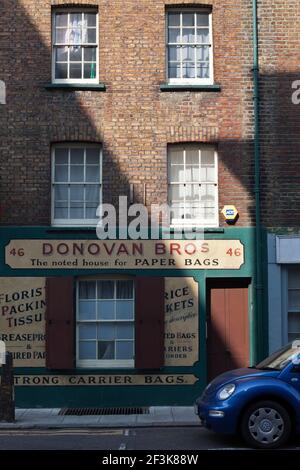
{"x": 76, "y": 86}
{"x": 187, "y": 87}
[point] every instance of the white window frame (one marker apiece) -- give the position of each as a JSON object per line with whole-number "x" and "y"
{"x": 194, "y": 223}
{"x": 73, "y": 222}
{"x": 191, "y": 81}
{"x": 109, "y": 363}
{"x": 75, "y": 80}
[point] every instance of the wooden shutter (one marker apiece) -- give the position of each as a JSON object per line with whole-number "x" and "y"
{"x": 149, "y": 322}
{"x": 60, "y": 350}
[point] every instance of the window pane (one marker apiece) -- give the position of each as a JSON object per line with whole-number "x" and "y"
{"x": 61, "y": 212}
{"x": 124, "y": 331}
{"x": 207, "y": 165}
{"x": 174, "y": 35}
{"x": 61, "y": 173}
{"x": 92, "y": 156}
{"x": 107, "y": 331}
{"x": 90, "y": 212}
{"x": 75, "y": 54}
{"x": 124, "y": 310}
{"x": 202, "y": 71}
{"x": 106, "y": 309}
{"x": 188, "y": 71}
{"x": 188, "y": 54}
{"x": 177, "y": 193}
{"x": 61, "y": 19}
{"x": 90, "y": 54}
{"x": 188, "y": 19}
{"x": 192, "y": 192}
{"x": 87, "y": 350}
{"x": 88, "y": 331}
{"x": 61, "y": 192}
{"x": 177, "y": 211}
{"x": 76, "y": 212}
{"x": 294, "y": 277}
{"x": 294, "y": 322}
{"x": 202, "y": 19}
{"x": 106, "y": 350}
{"x": 87, "y": 310}
{"x": 75, "y": 70}
{"x": 188, "y": 35}
{"x": 294, "y": 298}
{"x": 174, "y": 70}
{"x": 105, "y": 289}
{"x": 203, "y": 53}
{"x": 61, "y": 156}
{"x": 90, "y": 70}
{"x": 76, "y": 192}
{"x": 174, "y": 19}
{"x": 87, "y": 290}
{"x": 192, "y": 156}
{"x": 61, "y": 36}
{"x": 61, "y": 71}
{"x": 192, "y": 173}
{"x": 203, "y": 35}
{"x": 174, "y": 53}
{"x": 90, "y": 18}
{"x": 124, "y": 350}
{"x": 77, "y": 173}
{"x": 92, "y": 174}
{"x": 61, "y": 54}
{"x": 177, "y": 173}
{"x": 91, "y": 35}
{"x": 175, "y": 154}
{"x": 77, "y": 156}
{"x": 208, "y": 202}
{"x": 92, "y": 194}
{"x": 124, "y": 289}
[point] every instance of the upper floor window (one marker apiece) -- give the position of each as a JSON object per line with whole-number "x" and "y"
{"x": 75, "y": 46}
{"x": 76, "y": 184}
{"x": 189, "y": 47}
{"x": 193, "y": 185}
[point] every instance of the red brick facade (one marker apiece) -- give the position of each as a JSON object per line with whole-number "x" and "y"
{"x": 134, "y": 120}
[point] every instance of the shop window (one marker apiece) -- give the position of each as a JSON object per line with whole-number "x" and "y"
{"x": 293, "y": 303}
{"x": 75, "y": 46}
{"x": 189, "y": 47}
{"x": 76, "y": 184}
{"x": 105, "y": 323}
{"x": 115, "y": 322}
{"x": 193, "y": 185}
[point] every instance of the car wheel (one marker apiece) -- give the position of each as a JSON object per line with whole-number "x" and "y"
{"x": 266, "y": 425}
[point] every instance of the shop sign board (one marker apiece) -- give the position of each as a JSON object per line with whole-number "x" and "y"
{"x": 124, "y": 254}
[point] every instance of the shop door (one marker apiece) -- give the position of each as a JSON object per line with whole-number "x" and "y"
{"x": 227, "y": 329}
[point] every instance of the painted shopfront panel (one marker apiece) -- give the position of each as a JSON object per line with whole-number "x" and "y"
{"x": 185, "y": 266}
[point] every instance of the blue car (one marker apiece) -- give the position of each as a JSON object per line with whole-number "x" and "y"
{"x": 261, "y": 403}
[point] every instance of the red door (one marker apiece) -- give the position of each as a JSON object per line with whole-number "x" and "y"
{"x": 228, "y": 329}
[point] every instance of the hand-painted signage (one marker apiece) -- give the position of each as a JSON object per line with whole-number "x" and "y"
{"x": 146, "y": 254}
{"x": 22, "y": 319}
{"x": 181, "y": 321}
{"x": 104, "y": 380}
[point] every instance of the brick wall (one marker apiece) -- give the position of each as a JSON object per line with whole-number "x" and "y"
{"x": 279, "y": 29}
{"x": 133, "y": 119}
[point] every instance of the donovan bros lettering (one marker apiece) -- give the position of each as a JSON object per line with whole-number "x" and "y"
{"x": 146, "y": 254}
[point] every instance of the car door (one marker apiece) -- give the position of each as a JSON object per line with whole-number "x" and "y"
{"x": 291, "y": 375}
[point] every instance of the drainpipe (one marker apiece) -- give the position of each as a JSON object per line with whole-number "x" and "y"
{"x": 258, "y": 294}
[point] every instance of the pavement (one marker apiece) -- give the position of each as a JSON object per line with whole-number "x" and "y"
{"x": 49, "y": 418}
